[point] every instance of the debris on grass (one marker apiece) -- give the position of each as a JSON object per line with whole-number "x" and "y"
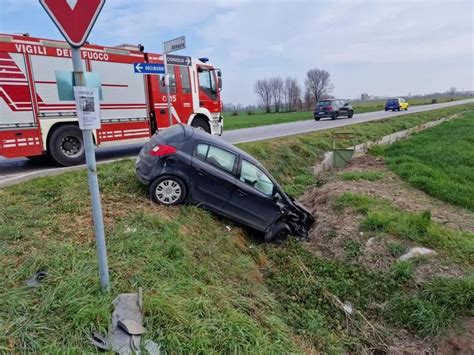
{"x": 37, "y": 278}
{"x": 417, "y": 252}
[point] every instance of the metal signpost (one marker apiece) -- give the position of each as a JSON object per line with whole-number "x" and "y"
{"x": 168, "y": 47}
{"x": 75, "y": 20}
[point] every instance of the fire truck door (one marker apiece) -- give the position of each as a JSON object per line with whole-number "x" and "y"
{"x": 184, "y": 97}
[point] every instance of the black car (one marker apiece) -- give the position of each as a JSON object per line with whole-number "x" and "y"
{"x": 181, "y": 164}
{"x": 333, "y": 108}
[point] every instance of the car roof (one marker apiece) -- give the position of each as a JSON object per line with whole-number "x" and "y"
{"x": 211, "y": 139}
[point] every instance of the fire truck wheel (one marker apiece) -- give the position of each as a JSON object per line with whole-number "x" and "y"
{"x": 65, "y": 145}
{"x": 201, "y": 124}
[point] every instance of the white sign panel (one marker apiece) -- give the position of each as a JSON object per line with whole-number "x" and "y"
{"x": 88, "y": 107}
{"x": 175, "y": 44}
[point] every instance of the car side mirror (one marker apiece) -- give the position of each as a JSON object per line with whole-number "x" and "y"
{"x": 346, "y": 104}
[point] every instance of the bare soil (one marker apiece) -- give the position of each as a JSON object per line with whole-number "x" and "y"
{"x": 337, "y": 232}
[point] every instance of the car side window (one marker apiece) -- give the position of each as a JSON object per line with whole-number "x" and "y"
{"x": 201, "y": 151}
{"x": 217, "y": 157}
{"x": 253, "y": 176}
{"x": 221, "y": 158}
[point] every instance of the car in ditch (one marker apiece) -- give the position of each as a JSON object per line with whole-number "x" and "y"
{"x": 182, "y": 164}
{"x": 333, "y": 108}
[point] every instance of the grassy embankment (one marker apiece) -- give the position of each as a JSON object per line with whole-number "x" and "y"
{"x": 206, "y": 289}
{"x": 445, "y": 171}
{"x": 264, "y": 119}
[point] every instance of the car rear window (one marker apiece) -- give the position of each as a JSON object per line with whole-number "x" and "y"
{"x": 173, "y": 133}
{"x": 324, "y": 103}
{"x": 392, "y": 101}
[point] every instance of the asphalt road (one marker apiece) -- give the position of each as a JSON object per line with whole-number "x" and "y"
{"x": 13, "y": 171}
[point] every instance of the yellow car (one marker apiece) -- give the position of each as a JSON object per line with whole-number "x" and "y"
{"x": 396, "y": 104}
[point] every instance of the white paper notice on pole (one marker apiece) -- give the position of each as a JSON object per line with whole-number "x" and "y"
{"x": 88, "y": 107}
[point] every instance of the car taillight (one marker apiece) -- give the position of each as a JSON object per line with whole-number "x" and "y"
{"x": 329, "y": 108}
{"x": 162, "y": 149}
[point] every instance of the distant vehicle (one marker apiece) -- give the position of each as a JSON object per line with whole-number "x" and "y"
{"x": 183, "y": 164}
{"x": 35, "y": 121}
{"x": 333, "y": 109}
{"x": 396, "y": 104}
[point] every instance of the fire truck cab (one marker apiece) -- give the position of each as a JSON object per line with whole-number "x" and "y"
{"x": 35, "y": 122}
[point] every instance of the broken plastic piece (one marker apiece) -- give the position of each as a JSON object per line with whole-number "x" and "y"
{"x": 131, "y": 327}
{"x": 99, "y": 341}
{"x": 152, "y": 347}
{"x": 37, "y": 278}
{"x": 348, "y": 308}
{"x": 127, "y": 308}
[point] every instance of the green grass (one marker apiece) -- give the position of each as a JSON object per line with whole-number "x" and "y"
{"x": 383, "y": 217}
{"x": 439, "y": 161}
{"x": 203, "y": 291}
{"x": 243, "y": 120}
{"x": 264, "y": 119}
{"x": 206, "y": 289}
{"x": 434, "y": 307}
{"x": 369, "y": 175}
{"x": 396, "y": 249}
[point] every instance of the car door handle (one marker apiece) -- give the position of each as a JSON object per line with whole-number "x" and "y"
{"x": 241, "y": 192}
{"x": 201, "y": 172}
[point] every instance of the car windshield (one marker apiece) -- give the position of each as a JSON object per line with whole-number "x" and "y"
{"x": 324, "y": 103}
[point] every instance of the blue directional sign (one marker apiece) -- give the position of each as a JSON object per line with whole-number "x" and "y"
{"x": 149, "y": 68}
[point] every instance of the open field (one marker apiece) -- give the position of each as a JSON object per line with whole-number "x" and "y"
{"x": 288, "y": 158}
{"x": 264, "y": 119}
{"x": 439, "y": 161}
{"x": 211, "y": 289}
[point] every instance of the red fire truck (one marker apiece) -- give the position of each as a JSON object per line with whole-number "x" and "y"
{"x": 35, "y": 122}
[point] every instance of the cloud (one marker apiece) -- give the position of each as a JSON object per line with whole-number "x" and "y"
{"x": 358, "y": 41}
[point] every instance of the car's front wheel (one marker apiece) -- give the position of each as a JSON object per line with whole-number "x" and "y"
{"x": 334, "y": 116}
{"x": 167, "y": 190}
{"x": 277, "y": 232}
{"x": 351, "y": 113}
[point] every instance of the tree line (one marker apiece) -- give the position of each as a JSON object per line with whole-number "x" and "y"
{"x": 286, "y": 94}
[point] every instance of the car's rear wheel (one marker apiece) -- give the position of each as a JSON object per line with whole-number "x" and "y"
{"x": 334, "y": 116}
{"x": 201, "y": 124}
{"x": 317, "y": 118}
{"x": 168, "y": 190}
{"x": 351, "y": 113}
{"x": 277, "y": 232}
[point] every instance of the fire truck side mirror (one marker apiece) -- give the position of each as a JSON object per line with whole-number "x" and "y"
{"x": 219, "y": 79}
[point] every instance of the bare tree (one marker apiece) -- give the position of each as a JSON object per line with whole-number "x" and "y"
{"x": 277, "y": 89}
{"x": 308, "y": 101}
{"x": 292, "y": 93}
{"x": 452, "y": 90}
{"x": 318, "y": 82}
{"x": 263, "y": 90}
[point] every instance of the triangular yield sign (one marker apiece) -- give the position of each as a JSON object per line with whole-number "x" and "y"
{"x": 74, "y": 19}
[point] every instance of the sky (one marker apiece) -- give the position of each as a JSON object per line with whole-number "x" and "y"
{"x": 383, "y": 48}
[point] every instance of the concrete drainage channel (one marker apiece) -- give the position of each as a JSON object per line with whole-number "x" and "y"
{"x": 328, "y": 162}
